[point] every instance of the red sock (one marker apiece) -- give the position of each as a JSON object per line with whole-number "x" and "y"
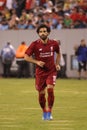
{"x": 50, "y": 98}
{"x": 42, "y": 101}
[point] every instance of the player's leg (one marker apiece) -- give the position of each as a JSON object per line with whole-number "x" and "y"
{"x": 50, "y": 99}
{"x": 50, "y": 91}
{"x": 40, "y": 86}
{"x": 42, "y": 99}
{"x": 42, "y": 102}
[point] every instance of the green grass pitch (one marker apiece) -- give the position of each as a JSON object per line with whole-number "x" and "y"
{"x": 20, "y": 110}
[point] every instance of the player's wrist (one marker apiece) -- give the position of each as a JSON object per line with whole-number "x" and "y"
{"x": 58, "y": 67}
{"x": 57, "y": 64}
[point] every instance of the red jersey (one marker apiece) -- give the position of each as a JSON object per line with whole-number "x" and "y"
{"x": 45, "y": 53}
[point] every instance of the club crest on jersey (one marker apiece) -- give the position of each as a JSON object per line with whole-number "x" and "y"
{"x": 40, "y": 49}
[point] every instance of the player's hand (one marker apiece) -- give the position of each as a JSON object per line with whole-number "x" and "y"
{"x": 40, "y": 63}
{"x": 58, "y": 67}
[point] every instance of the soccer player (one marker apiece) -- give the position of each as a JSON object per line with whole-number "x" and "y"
{"x": 43, "y": 50}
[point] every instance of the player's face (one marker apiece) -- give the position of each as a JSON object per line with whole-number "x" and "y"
{"x": 43, "y": 34}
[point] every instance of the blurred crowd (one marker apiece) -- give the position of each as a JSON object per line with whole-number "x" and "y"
{"x": 57, "y": 14}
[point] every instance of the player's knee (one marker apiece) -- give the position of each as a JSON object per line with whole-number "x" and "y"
{"x": 42, "y": 92}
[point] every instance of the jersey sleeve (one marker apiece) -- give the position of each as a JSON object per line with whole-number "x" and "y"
{"x": 30, "y": 49}
{"x": 57, "y": 48}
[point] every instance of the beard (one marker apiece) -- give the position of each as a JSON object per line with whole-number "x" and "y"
{"x": 43, "y": 37}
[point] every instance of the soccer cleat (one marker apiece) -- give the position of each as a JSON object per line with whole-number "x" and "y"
{"x": 44, "y": 117}
{"x": 49, "y": 116}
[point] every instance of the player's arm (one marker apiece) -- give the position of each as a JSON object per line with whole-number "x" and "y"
{"x": 32, "y": 60}
{"x": 58, "y": 55}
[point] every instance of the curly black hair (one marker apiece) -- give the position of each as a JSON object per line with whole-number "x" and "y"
{"x": 43, "y": 26}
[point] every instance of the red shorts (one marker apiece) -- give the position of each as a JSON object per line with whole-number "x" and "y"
{"x": 43, "y": 81}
